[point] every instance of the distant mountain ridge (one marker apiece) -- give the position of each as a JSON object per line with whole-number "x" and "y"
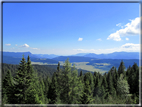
{"x": 20, "y": 54}
{"x": 115, "y": 55}
{"x": 101, "y": 61}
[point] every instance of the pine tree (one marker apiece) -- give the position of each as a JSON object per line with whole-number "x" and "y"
{"x": 81, "y": 73}
{"x": 54, "y": 91}
{"x": 25, "y": 88}
{"x": 58, "y": 67}
{"x": 65, "y": 80}
{"x": 115, "y": 78}
{"x": 87, "y": 97}
{"x": 76, "y": 87}
{"x": 110, "y": 84}
{"x": 21, "y": 83}
{"x": 47, "y": 84}
{"x": 105, "y": 86}
{"x": 121, "y": 68}
{"x": 7, "y": 88}
{"x": 99, "y": 89}
{"x": 122, "y": 87}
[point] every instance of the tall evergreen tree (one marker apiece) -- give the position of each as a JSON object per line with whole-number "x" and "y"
{"x": 105, "y": 86}
{"x": 24, "y": 84}
{"x": 121, "y": 68}
{"x": 54, "y": 91}
{"x": 58, "y": 67}
{"x": 21, "y": 83}
{"x": 110, "y": 84}
{"x": 115, "y": 78}
{"x": 7, "y": 88}
{"x": 122, "y": 87}
{"x": 87, "y": 97}
{"x": 65, "y": 81}
{"x": 81, "y": 73}
{"x": 76, "y": 87}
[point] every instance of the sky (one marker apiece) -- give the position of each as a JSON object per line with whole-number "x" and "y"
{"x": 71, "y": 28}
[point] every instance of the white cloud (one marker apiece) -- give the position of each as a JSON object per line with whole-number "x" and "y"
{"x": 114, "y": 36}
{"x": 25, "y": 45}
{"x": 119, "y": 25}
{"x": 127, "y": 38}
{"x": 131, "y": 46}
{"x": 35, "y": 48}
{"x": 15, "y": 44}
{"x": 78, "y": 49}
{"x": 99, "y": 39}
{"x": 80, "y": 39}
{"x": 128, "y": 47}
{"x": 7, "y": 44}
{"x": 131, "y": 29}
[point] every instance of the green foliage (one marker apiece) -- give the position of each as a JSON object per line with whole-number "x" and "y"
{"x": 122, "y": 87}
{"x": 54, "y": 91}
{"x": 26, "y": 84}
{"x": 111, "y": 88}
{"x": 87, "y": 97}
{"x": 7, "y": 86}
{"x": 121, "y": 68}
{"x": 32, "y": 85}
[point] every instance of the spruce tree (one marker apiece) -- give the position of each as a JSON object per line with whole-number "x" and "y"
{"x": 122, "y": 87}
{"x": 54, "y": 91}
{"x": 21, "y": 83}
{"x": 58, "y": 67}
{"x": 7, "y": 88}
{"x": 87, "y": 97}
{"x": 105, "y": 86}
{"x": 110, "y": 84}
{"x": 65, "y": 80}
{"x": 121, "y": 68}
{"x": 76, "y": 87}
{"x": 25, "y": 88}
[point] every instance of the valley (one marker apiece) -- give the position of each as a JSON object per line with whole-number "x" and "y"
{"x": 81, "y": 61}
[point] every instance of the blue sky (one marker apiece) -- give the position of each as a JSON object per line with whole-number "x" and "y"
{"x": 71, "y": 28}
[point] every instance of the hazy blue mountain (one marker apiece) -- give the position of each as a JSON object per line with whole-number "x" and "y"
{"x": 16, "y": 60}
{"x": 73, "y": 58}
{"x": 19, "y": 54}
{"x": 115, "y": 55}
{"x": 80, "y": 54}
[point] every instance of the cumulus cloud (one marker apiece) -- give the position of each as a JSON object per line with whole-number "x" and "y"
{"x": 80, "y": 39}
{"x": 15, "y": 44}
{"x": 131, "y": 45}
{"x": 131, "y": 29}
{"x": 25, "y": 45}
{"x": 127, "y": 38}
{"x": 99, "y": 39}
{"x": 7, "y": 44}
{"x": 114, "y": 36}
{"x": 128, "y": 47}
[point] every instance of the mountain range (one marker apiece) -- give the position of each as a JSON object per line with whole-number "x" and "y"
{"x": 115, "y": 55}
{"x": 98, "y": 61}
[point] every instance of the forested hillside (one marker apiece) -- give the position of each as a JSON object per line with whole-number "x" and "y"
{"x": 67, "y": 87}
{"x": 42, "y": 70}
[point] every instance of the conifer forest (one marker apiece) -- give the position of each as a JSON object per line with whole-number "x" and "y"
{"x": 66, "y": 86}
